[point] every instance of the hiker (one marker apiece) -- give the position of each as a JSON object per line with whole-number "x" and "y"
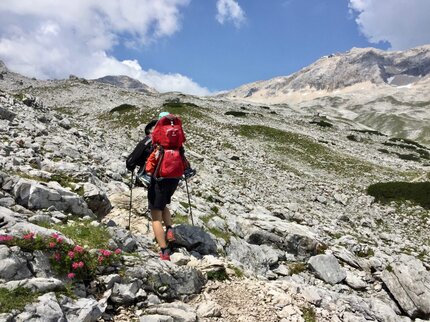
{"x": 140, "y": 154}
{"x": 165, "y": 166}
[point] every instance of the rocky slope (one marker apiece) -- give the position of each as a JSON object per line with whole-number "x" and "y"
{"x": 284, "y": 228}
{"x": 387, "y": 91}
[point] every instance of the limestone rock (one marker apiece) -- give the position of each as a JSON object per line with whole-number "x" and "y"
{"x": 327, "y": 268}
{"x": 409, "y": 283}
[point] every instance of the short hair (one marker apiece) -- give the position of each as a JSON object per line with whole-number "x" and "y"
{"x": 149, "y": 126}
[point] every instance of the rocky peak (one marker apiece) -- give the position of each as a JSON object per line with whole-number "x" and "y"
{"x": 127, "y": 82}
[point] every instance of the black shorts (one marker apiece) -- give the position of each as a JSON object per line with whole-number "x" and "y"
{"x": 161, "y": 192}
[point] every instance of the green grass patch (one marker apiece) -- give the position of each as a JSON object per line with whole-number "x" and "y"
{"x": 220, "y": 234}
{"x": 16, "y": 299}
{"x": 206, "y": 218}
{"x": 417, "y": 192}
{"x": 296, "y": 268}
{"x": 305, "y": 150}
{"x": 219, "y": 275}
{"x": 180, "y": 219}
{"x": 237, "y": 271}
{"x": 308, "y": 314}
{"x": 128, "y": 115}
{"x": 186, "y": 111}
{"x": 83, "y": 233}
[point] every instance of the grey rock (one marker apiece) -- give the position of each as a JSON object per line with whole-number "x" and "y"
{"x": 39, "y": 284}
{"x": 327, "y": 268}
{"x": 409, "y": 282}
{"x": 167, "y": 280}
{"x": 208, "y": 309}
{"x": 123, "y": 238}
{"x": 40, "y": 264}
{"x": 180, "y": 312}
{"x": 6, "y": 114}
{"x": 110, "y": 280}
{"x": 13, "y": 265}
{"x": 96, "y": 200}
{"x": 156, "y": 318}
{"x": 194, "y": 239}
{"x": 7, "y": 202}
{"x": 355, "y": 282}
{"x": 125, "y": 293}
{"x": 254, "y": 258}
{"x": 83, "y": 309}
{"x": 36, "y": 195}
{"x": 291, "y": 237}
{"x": 46, "y": 309}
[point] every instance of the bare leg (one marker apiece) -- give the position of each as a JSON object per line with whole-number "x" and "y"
{"x": 158, "y": 227}
{"x": 167, "y": 217}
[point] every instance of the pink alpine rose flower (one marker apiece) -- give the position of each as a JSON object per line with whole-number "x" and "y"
{"x": 71, "y": 275}
{"x": 118, "y": 251}
{"x": 28, "y": 236}
{"x": 75, "y": 265}
{"x": 78, "y": 249}
{"x": 4, "y": 238}
{"x": 71, "y": 254}
{"x": 52, "y": 244}
{"x": 81, "y": 264}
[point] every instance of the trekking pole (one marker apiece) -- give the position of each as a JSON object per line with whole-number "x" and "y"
{"x": 131, "y": 198}
{"x": 189, "y": 202}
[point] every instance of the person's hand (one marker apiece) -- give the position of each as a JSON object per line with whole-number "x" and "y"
{"x": 189, "y": 172}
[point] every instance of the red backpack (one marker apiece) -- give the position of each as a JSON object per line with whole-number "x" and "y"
{"x": 169, "y": 135}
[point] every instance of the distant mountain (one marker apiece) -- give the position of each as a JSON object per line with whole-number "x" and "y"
{"x": 385, "y": 91}
{"x": 126, "y": 82}
{"x": 355, "y": 69}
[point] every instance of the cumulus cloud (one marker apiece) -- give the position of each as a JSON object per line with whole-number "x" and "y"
{"x": 403, "y": 24}
{"x": 52, "y": 39}
{"x": 230, "y": 11}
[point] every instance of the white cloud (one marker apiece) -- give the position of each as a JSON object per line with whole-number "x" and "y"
{"x": 52, "y": 39}
{"x": 229, "y": 10}
{"x": 402, "y": 23}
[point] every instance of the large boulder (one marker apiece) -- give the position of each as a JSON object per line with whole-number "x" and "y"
{"x": 327, "y": 268}
{"x": 167, "y": 280}
{"x": 253, "y": 258}
{"x": 195, "y": 239}
{"x": 46, "y": 309}
{"x": 293, "y": 238}
{"x": 39, "y": 195}
{"x": 409, "y": 283}
{"x": 13, "y": 264}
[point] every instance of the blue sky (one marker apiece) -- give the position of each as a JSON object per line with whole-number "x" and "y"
{"x": 198, "y": 46}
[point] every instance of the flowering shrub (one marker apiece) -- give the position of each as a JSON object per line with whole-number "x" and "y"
{"x": 75, "y": 261}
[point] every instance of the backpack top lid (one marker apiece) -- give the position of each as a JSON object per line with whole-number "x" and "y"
{"x": 168, "y": 132}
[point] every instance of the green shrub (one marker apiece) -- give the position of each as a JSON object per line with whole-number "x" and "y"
{"x": 322, "y": 123}
{"x": 236, "y": 113}
{"x": 15, "y": 299}
{"x": 219, "y": 275}
{"x": 308, "y": 314}
{"x": 296, "y": 268}
{"x": 123, "y": 108}
{"x": 220, "y": 234}
{"x": 417, "y": 192}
